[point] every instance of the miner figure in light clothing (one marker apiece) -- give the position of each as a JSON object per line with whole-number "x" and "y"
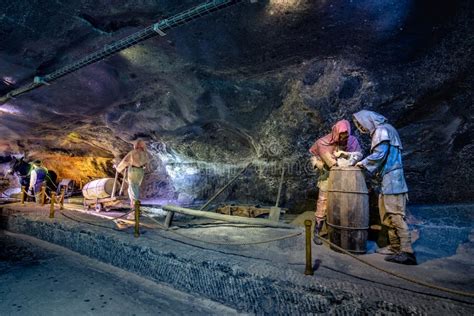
{"x": 338, "y": 146}
{"x": 385, "y": 163}
{"x": 135, "y": 162}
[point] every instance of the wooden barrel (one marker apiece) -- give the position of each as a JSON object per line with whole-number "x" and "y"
{"x": 348, "y": 209}
{"x": 98, "y": 189}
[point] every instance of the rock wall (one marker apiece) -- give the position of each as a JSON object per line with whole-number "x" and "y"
{"x": 254, "y": 83}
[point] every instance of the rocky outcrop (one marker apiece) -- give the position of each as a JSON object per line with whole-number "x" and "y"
{"x": 254, "y": 83}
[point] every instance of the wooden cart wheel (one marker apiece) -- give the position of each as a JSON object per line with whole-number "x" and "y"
{"x": 99, "y": 207}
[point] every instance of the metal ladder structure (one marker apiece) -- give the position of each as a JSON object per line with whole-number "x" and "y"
{"x": 158, "y": 28}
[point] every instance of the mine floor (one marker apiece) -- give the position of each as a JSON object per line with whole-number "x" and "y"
{"x": 39, "y": 278}
{"x": 445, "y": 254}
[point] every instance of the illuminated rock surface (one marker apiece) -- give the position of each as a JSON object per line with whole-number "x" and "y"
{"x": 255, "y": 83}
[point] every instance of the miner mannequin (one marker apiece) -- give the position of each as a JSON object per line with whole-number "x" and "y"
{"x": 385, "y": 163}
{"x": 326, "y": 152}
{"x": 135, "y": 162}
{"x": 37, "y": 178}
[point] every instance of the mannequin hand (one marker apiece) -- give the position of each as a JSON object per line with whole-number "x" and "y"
{"x": 317, "y": 163}
{"x": 340, "y": 153}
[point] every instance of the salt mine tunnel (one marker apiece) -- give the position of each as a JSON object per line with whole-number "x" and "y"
{"x": 278, "y": 157}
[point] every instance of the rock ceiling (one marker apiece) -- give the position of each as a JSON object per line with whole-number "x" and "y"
{"x": 257, "y": 82}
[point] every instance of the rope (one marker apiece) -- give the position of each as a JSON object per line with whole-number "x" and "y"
{"x": 224, "y": 243}
{"x": 103, "y": 220}
{"x": 85, "y": 222}
{"x": 52, "y": 182}
{"x": 26, "y": 192}
{"x": 400, "y": 276}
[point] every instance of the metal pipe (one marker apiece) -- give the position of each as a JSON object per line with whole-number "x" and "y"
{"x": 158, "y": 28}
{"x": 227, "y": 218}
{"x": 309, "y": 265}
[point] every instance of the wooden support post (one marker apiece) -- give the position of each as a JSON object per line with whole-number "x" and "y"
{"x": 22, "y": 195}
{"x": 309, "y": 265}
{"x": 51, "y": 207}
{"x": 42, "y": 194}
{"x": 169, "y": 219}
{"x": 137, "y": 218}
{"x": 61, "y": 199}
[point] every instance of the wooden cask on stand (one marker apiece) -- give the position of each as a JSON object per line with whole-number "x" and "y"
{"x": 348, "y": 209}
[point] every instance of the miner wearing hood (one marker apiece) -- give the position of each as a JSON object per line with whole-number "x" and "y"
{"x": 325, "y": 152}
{"x": 385, "y": 163}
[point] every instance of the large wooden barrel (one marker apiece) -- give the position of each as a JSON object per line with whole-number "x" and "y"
{"x": 348, "y": 209}
{"x": 98, "y": 189}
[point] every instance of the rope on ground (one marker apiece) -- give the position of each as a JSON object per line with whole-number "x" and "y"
{"x": 85, "y": 222}
{"x": 103, "y": 220}
{"x": 224, "y": 243}
{"x": 400, "y": 276}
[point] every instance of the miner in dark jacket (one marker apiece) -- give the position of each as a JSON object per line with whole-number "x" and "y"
{"x": 37, "y": 178}
{"x": 385, "y": 163}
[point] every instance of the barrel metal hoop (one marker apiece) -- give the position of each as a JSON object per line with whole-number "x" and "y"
{"x": 345, "y": 170}
{"x": 358, "y": 251}
{"x": 345, "y": 227}
{"x": 354, "y": 192}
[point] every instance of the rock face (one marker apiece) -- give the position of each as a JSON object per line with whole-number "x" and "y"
{"x": 257, "y": 82}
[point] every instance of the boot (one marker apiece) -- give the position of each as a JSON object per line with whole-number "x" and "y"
{"x": 402, "y": 258}
{"x": 317, "y": 228}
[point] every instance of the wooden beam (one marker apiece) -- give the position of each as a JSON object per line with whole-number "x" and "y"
{"x": 227, "y": 218}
